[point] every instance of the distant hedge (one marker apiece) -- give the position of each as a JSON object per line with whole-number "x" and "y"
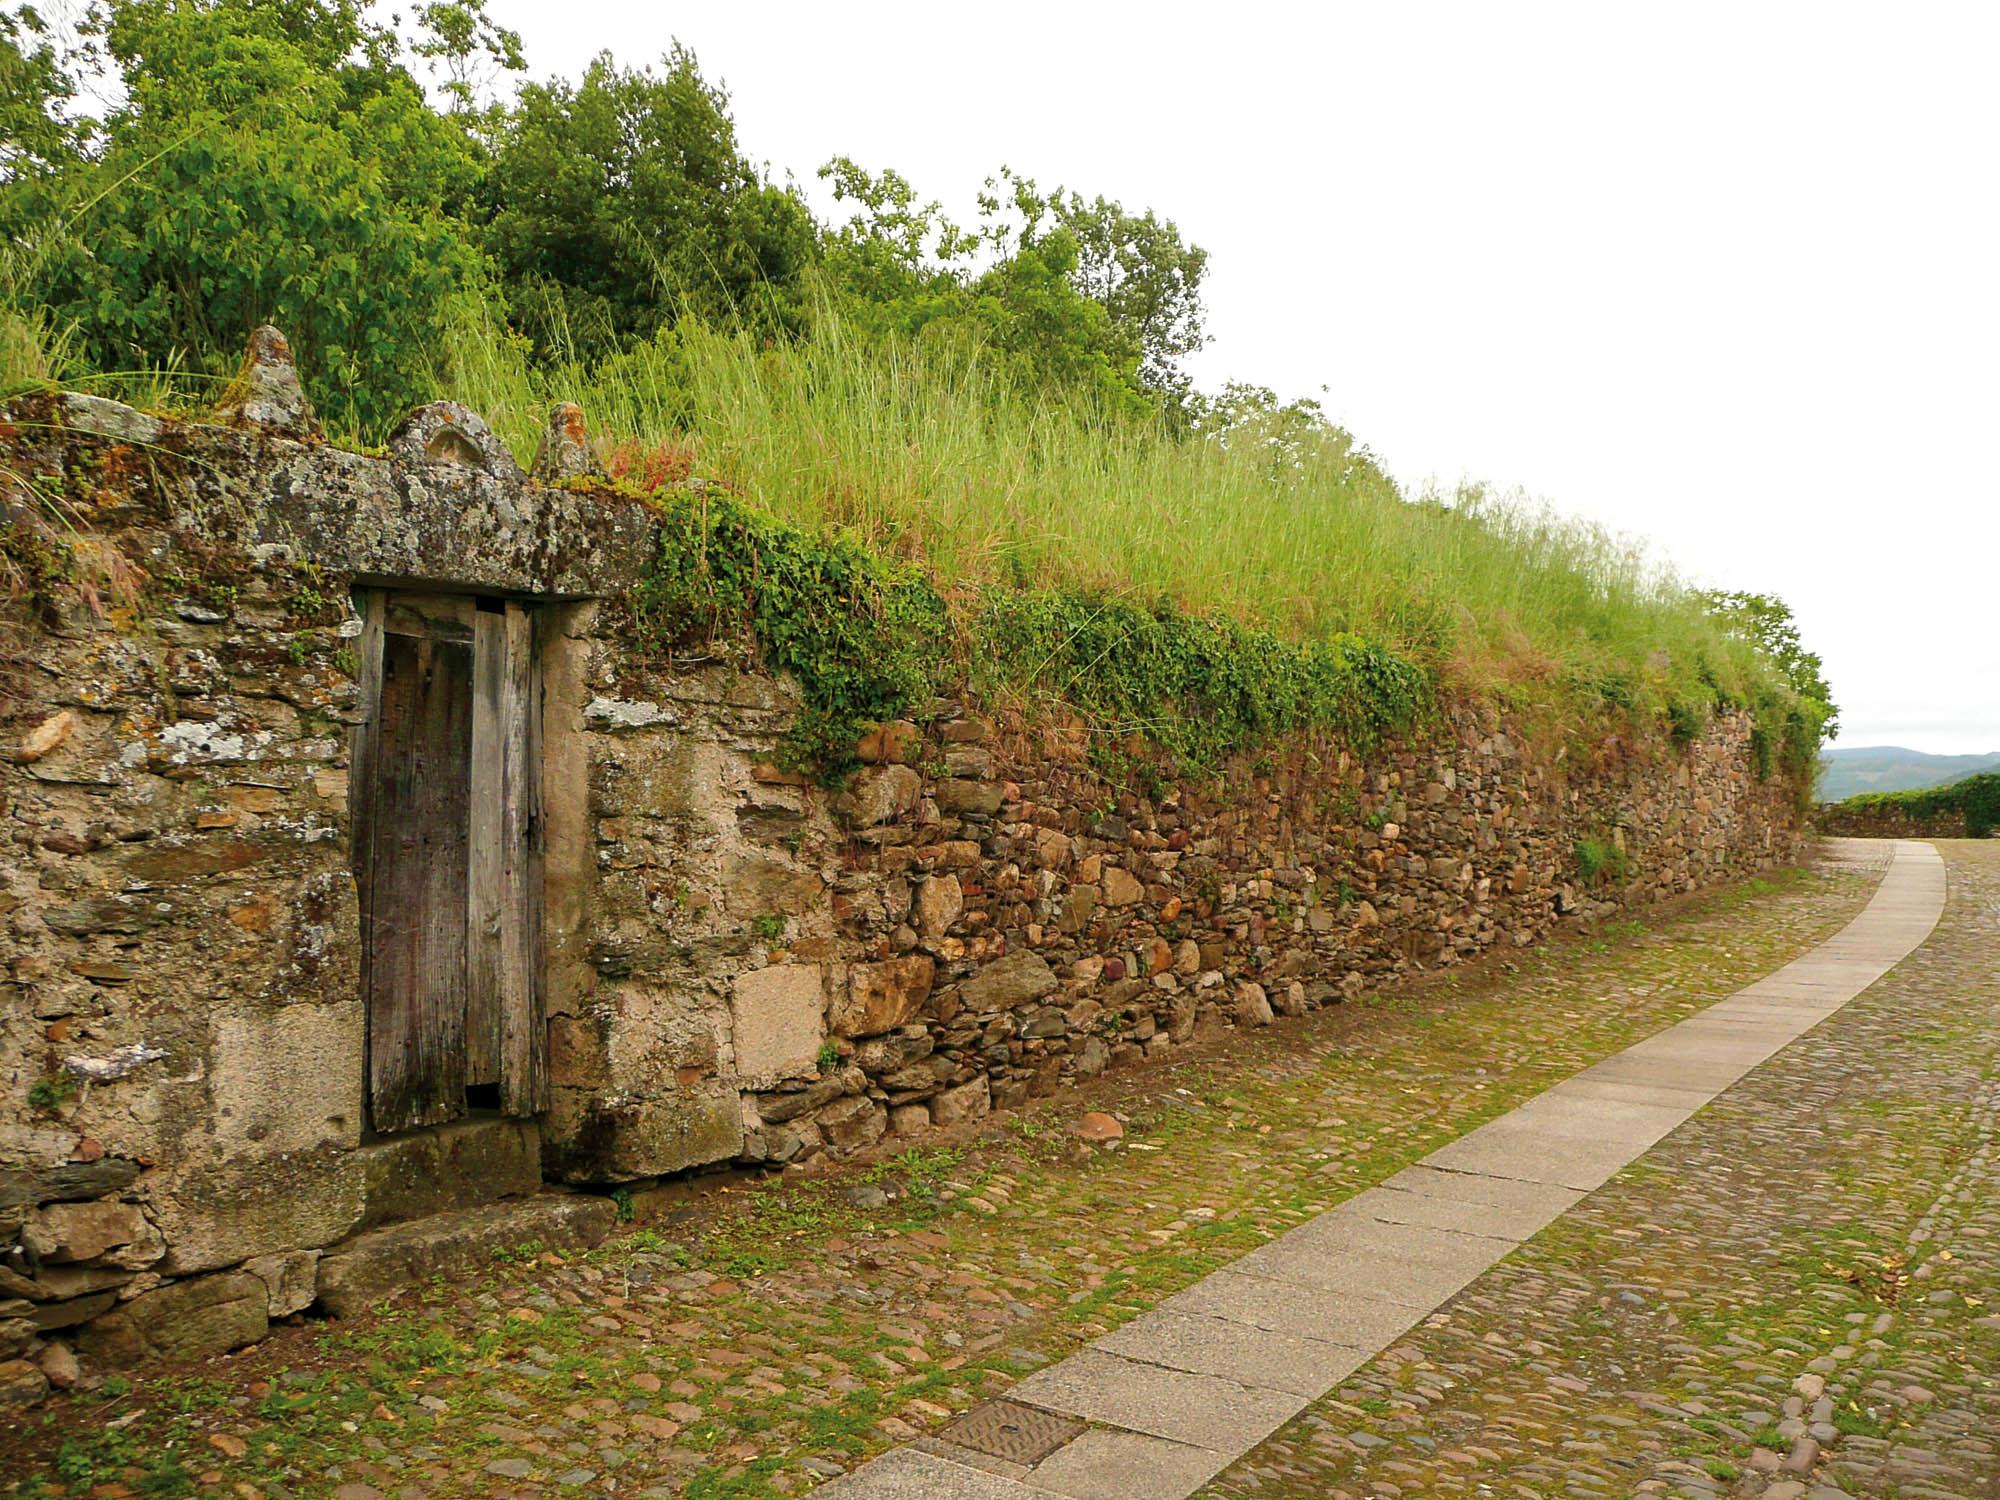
{"x": 1977, "y": 797}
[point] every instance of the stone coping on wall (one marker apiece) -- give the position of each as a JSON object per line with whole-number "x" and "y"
{"x": 444, "y": 504}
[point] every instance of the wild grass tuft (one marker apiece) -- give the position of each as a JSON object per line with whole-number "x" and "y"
{"x": 924, "y": 448}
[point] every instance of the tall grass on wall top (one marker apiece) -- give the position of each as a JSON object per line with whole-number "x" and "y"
{"x": 923, "y": 447}
{"x": 868, "y": 638}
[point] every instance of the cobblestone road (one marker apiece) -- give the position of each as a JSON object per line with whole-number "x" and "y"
{"x": 1795, "y": 1294}
{"x": 755, "y": 1341}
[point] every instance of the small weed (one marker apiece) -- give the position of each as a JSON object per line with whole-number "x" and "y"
{"x": 1601, "y": 857}
{"x": 1038, "y": 1134}
{"x": 769, "y": 927}
{"x": 920, "y": 1169}
{"x": 164, "y": 1474}
{"x": 1856, "y": 1420}
{"x": 51, "y": 1092}
{"x": 652, "y": 1242}
{"x": 1685, "y": 724}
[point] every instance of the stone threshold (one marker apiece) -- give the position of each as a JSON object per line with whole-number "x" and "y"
{"x": 1160, "y": 1406}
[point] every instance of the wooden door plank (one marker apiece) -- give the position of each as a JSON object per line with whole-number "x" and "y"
{"x": 486, "y": 852}
{"x": 443, "y": 800}
{"x": 524, "y": 1028}
{"x": 416, "y": 1018}
{"x": 393, "y": 955}
{"x": 363, "y": 776}
{"x": 440, "y": 617}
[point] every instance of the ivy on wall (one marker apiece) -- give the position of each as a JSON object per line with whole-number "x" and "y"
{"x": 861, "y": 633}
{"x": 869, "y": 638}
{"x": 1200, "y": 687}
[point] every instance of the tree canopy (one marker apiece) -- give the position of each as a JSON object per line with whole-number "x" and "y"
{"x": 1766, "y": 621}
{"x": 175, "y": 172}
{"x": 621, "y": 201}
{"x": 283, "y": 161}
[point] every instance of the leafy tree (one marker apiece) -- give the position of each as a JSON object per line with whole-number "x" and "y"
{"x": 1030, "y": 305}
{"x": 466, "y": 50}
{"x": 1766, "y": 621}
{"x": 1135, "y": 266}
{"x": 1079, "y": 294}
{"x": 37, "y": 135}
{"x": 619, "y": 201}
{"x": 895, "y": 262}
{"x": 1291, "y": 434}
{"x": 272, "y": 162}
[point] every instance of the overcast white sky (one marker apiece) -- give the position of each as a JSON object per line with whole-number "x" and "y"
{"x": 1723, "y": 276}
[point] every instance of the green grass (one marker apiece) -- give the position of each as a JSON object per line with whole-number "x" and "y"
{"x": 1597, "y": 858}
{"x": 1086, "y": 533}
{"x": 925, "y": 450}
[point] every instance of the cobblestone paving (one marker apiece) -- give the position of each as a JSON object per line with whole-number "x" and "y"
{"x": 1795, "y": 1294}
{"x": 755, "y": 1340}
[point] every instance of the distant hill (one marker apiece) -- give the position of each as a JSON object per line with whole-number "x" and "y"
{"x": 1890, "y": 768}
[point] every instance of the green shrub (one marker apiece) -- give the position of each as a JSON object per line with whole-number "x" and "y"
{"x": 1200, "y": 687}
{"x": 1685, "y": 723}
{"x": 1601, "y": 860}
{"x": 256, "y": 172}
{"x": 1977, "y": 797}
{"x": 1762, "y": 756}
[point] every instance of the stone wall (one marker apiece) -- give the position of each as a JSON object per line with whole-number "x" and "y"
{"x": 740, "y": 966}
{"x": 1888, "y": 820}
{"x": 998, "y": 920}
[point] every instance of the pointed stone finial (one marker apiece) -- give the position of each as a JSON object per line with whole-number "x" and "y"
{"x": 565, "y": 451}
{"x": 450, "y": 433}
{"x": 266, "y": 393}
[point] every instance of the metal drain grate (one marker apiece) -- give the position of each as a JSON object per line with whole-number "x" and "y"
{"x": 1006, "y": 1429}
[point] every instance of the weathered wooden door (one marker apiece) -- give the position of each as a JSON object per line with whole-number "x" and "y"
{"x": 447, "y": 837}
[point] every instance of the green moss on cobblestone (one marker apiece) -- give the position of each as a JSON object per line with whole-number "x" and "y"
{"x": 1832, "y": 1212}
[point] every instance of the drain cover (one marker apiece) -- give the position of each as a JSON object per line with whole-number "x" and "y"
{"x": 1006, "y": 1429}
